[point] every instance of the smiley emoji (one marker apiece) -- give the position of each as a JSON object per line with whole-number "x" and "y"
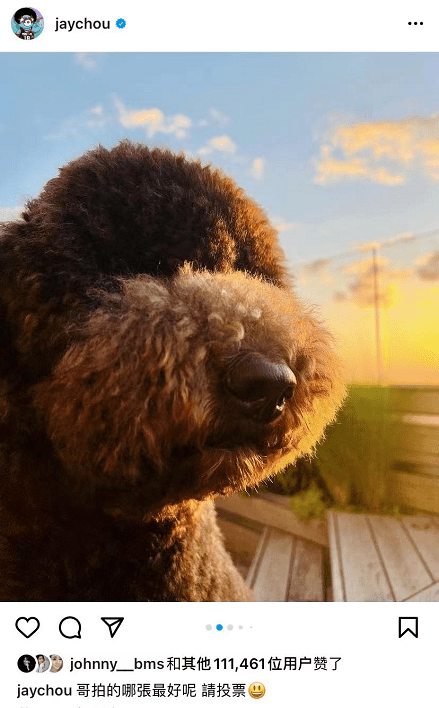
{"x": 256, "y": 690}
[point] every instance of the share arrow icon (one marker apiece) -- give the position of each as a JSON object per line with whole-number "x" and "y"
{"x": 113, "y": 624}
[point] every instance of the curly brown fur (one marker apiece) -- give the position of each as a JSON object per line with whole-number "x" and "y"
{"x": 133, "y": 288}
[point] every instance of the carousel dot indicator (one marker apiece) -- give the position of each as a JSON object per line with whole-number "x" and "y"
{"x": 219, "y": 627}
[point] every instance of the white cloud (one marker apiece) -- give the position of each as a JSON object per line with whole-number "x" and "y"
{"x": 219, "y": 117}
{"x": 330, "y": 169}
{"x": 220, "y": 143}
{"x": 90, "y": 119}
{"x": 317, "y": 266}
{"x": 216, "y": 117}
{"x": 373, "y": 280}
{"x": 10, "y": 213}
{"x": 429, "y": 266}
{"x": 86, "y": 60}
{"x": 391, "y": 241}
{"x": 281, "y": 225}
{"x": 153, "y": 120}
{"x": 381, "y": 151}
{"x": 257, "y": 168}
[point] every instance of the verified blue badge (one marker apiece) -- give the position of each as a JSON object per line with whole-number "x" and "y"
{"x": 27, "y": 23}
{"x": 120, "y": 23}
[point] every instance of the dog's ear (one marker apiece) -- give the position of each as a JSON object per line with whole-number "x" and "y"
{"x": 14, "y": 267}
{"x": 43, "y": 299}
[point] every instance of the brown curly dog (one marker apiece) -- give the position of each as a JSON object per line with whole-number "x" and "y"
{"x": 153, "y": 356}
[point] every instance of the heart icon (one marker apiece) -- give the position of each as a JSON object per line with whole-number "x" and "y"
{"x": 27, "y": 626}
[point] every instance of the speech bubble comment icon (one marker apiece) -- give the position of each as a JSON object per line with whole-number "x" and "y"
{"x": 70, "y": 628}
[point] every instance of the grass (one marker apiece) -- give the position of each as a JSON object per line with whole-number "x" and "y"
{"x": 349, "y": 471}
{"x": 309, "y": 504}
{"x": 354, "y": 458}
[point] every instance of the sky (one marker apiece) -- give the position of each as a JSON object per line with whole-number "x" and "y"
{"x": 341, "y": 150}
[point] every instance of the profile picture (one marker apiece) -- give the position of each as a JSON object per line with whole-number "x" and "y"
{"x": 57, "y": 663}
{"x": 43, "y": 664}
{"x": 26, "y": 663}
{"x": 27, "y": 23}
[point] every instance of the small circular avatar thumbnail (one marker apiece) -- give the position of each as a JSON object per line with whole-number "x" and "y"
{"x": 27, "y": 23}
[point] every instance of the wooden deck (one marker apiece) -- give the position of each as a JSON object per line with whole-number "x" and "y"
{"x": 288, "y": 568}
{"x": 282, "y": 559}
{"x": 354, "y": 558}
{"x": 384, "y": 559}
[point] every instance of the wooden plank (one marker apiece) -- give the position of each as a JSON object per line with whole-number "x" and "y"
{"x": 257, "y": 558}
{"x": 414, "y": 491}
{"x": 413, "y": 399}
{"x": 424, "y": 531}
{"x": 424, "y": 419}
{"x": 406, "y": 570}
{"x": 275, "y": 515}
{"x": 306, "y": 579}
{"x": 363, "y": 573}
{"x": 275, "y": 498}
{"x": 415, "y": 468}
{"x": 241, "y": 520}
{"x": 327, "y": 580}
{"x": 423, "y": 439}
{"x": 240, "y": 542}
{"x": 416, "y": 458}
{"x": 270, "y": 579}
{"x": 338, "y": 589}
{"x": 238, "y": 537}
{"x": 430, "y": 594}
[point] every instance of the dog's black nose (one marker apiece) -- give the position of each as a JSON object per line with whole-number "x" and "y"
{"x": 261, "y": 387}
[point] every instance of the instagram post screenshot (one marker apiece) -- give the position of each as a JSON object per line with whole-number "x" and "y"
{"x": 219, "y": 354}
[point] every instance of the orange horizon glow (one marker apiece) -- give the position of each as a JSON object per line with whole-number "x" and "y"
{"x": 409, "y": 335}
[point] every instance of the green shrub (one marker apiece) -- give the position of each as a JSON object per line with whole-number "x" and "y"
{"x": 351, "y": 464}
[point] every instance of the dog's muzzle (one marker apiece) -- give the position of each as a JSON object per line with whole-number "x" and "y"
{"x": 260, "y": 387}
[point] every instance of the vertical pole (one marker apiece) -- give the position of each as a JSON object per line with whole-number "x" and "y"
{"x": 377, "y": 318}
